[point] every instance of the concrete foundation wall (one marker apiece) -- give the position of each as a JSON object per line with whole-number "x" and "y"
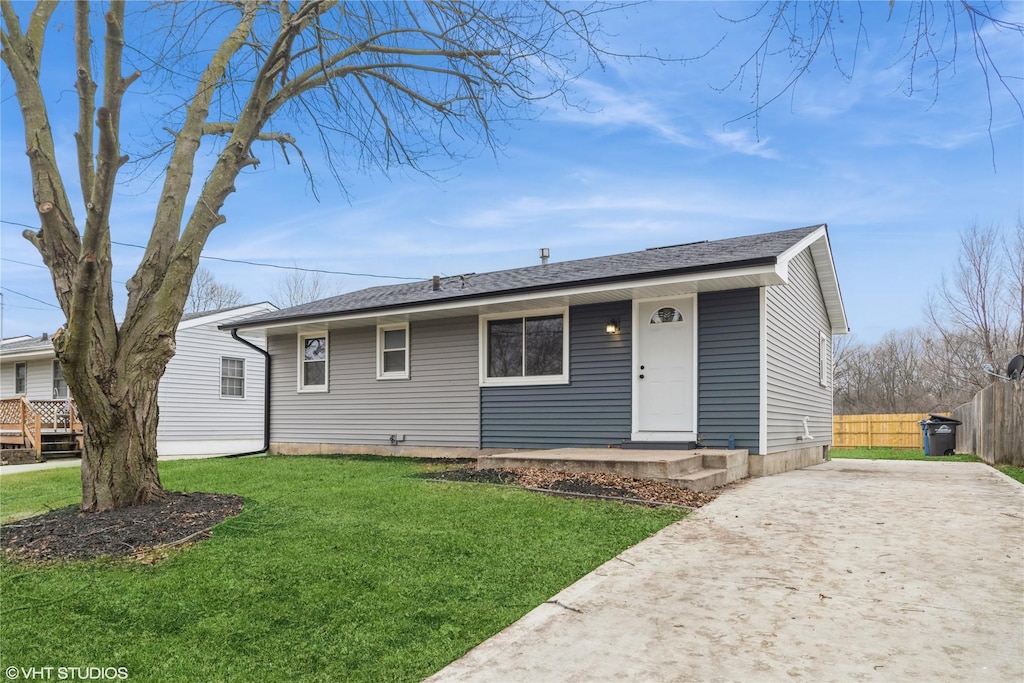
{"x": 293, "y": 448}
{"x": 784, "y": 461}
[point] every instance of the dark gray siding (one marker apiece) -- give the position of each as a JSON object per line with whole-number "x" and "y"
{"x": 437, "y": 406}
{"x": 592, "y": 410}
{"x": 728, "y": 361}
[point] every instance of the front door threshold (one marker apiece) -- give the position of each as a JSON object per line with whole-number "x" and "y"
{"x": 664, "y": 436}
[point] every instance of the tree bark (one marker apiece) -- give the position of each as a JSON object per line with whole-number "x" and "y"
{"x": 119, "y": 466}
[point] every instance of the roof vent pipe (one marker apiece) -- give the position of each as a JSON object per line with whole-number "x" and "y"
{"x": 437, "y": 283}
{"x": 545, "y": 253}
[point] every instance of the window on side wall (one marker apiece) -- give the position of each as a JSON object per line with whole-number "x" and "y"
{"x": 525, "y": 349}
{"x": 60, "y": 387}
{"x": 21, "y": 378}
{"x": 232, "y": 377}
{"x": 393, "y": 351}
{"x": 313, "y": 362}
{"x": 824, "y": 359}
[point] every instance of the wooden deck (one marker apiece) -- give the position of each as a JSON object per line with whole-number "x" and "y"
{"x": 52, "y": 428}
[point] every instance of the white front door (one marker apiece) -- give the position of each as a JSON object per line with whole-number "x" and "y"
{"x": 665, "y": 370}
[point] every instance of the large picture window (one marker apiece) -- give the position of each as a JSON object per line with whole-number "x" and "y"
{"x": 313, "y": 367}
{"x": 527, "y": 349}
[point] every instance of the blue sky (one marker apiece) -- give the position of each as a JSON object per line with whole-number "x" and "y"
{"x": 657, "y": 158}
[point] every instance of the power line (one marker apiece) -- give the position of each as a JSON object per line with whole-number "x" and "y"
{"x": 256, "y": 263}
{"x": 46, "y": 303}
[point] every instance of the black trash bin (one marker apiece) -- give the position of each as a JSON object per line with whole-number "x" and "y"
{"x": 940, "y": 435}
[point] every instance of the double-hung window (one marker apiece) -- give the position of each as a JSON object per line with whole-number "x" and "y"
{"x": 60, "y": 387}
{"x": 393, "y": 351}
{"x": 20, "y": 378}
{"x": 313, "y": 357}
{"x": 232, "y": 377}
{"x": 532, "y": 348}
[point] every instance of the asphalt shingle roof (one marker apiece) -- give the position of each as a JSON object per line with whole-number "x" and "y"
{"x": 694, "y": 257}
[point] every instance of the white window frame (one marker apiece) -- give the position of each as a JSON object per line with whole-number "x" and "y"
{"x": 824, "y": 354}
{"x": 301, "y": 387}
{"x": 54, "y": 373}
{"x": 24, "y": 388}
{"x": 403, "y": 374}
{"x": 232, "y": 397}
{"x": 525, "y": 380}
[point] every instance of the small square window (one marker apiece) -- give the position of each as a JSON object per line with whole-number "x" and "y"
{"x": 393, "y": 351}
{"x": 232, "y": 377}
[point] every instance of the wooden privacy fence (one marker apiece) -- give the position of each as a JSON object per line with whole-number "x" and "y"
{"x": 898, "y": 430}
{"x": 993, "y": 424}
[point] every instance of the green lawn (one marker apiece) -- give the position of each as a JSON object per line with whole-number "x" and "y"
{"x": 337, "y": 569}
{"x": 896, "y": 454}
{"x": 1012, "y": 471}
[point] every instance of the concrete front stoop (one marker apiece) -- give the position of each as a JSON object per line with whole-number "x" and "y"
{"x": 698, "y": 470}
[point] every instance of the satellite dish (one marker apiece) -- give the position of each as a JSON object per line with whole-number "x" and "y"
{"x": 1015, "y": 368}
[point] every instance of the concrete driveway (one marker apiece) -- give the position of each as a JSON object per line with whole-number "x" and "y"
{"x": 853, "y": 570}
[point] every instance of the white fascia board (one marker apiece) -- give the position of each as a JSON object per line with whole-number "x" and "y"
{"x": 629, "y": 289}
{"x": 27, "y": 354}
{"x": 828, "y": 280}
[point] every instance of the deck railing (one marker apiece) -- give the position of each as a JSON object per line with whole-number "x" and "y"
{"x": 30, "y": 418}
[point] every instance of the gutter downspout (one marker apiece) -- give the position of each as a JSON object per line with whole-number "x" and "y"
{"x": 266, "y": 395}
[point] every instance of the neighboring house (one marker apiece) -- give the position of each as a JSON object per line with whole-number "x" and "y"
{"x": 725, "y": 343}
{"x": 211, "y": 396}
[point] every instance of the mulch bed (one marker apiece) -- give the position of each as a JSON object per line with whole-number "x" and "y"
{"x": 139, "y": 531}
{"x": 590, "y": 483}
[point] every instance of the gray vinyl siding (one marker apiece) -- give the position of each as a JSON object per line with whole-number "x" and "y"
{"x": 795, "y": 316}
{"x": 728, "y": 362}
{"x": 39, "y": 383}
{"x": 191, "y": 407}
{"x": 593, "y": 409}
{"x": 437, "y": 406}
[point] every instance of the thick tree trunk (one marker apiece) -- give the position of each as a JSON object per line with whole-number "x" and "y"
{"x": 119, "y": 465}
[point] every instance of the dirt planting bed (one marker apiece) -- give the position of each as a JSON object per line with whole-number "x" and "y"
{"x": 588, "y": 484}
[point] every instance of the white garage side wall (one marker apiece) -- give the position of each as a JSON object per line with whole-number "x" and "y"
{"x": 194, "y": 418}
{"x": 795, "y": 318}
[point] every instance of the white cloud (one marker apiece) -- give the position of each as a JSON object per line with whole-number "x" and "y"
{"x": 744, "y": 142}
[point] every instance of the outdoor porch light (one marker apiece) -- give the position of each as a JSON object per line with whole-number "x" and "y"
{"x": 612, "y": 327}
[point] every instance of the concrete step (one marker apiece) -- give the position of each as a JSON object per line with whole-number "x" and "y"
{"x": 702, "y": 480}
{"x": 659, "y": 445}
{"x": 638, "y": 464}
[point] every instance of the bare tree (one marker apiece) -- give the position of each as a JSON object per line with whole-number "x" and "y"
{"x": 934, "y": 39}
{"x": 383, "y": 84}
{"x": 206, "y": 294}
{"x": 301, "y": 287}
{"x": 974, "y": 310}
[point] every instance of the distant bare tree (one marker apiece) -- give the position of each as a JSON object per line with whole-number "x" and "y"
{"x": 206, "y": 294}
{"x": 977, "y": 312}
{"x": 301, "y": 287}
